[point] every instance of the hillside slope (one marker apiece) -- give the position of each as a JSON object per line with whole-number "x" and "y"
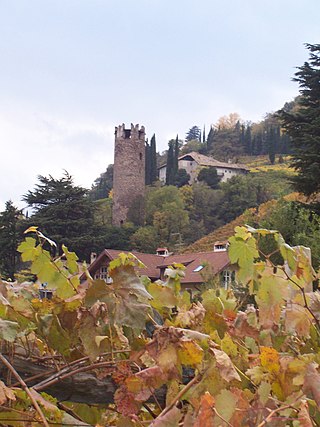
{"x": 254, "y": 215}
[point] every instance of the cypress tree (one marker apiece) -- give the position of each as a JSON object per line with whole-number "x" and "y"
{"x": 210, "y": 139}
{"x": 248, "y": 141}
{"x": 153, "y": 160}
{"x": 176, "y": 156}
{"x": 170, "y": 164}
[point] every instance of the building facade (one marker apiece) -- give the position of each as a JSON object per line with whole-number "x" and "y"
{"x": 193, "y": 162}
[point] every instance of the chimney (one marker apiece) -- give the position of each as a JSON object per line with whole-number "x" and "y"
{"x": 93, "y": 257}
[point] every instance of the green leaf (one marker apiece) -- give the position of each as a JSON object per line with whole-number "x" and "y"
{"x": 163, "y": 296}
{"x": 264, "y": 392}
{"x": 244, "y": 252}
{"x": 27, "y": 249}
{"x": 71, "y": 260}
{"x": 226, "y": 404}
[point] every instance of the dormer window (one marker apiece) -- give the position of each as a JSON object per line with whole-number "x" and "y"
{"x": 199, "y": 268}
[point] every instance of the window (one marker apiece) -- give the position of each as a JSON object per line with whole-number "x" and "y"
{"x": 227, "y": 276}
{"x": 199, "y": 268}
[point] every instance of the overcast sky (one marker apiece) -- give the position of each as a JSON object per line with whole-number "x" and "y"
{"x": 71, "y": 70}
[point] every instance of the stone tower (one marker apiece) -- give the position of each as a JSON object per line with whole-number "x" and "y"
{"x": 128, "y": 174}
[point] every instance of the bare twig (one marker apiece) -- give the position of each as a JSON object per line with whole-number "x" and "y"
{"x": 221, "y": 417}
{"x": 25, "y": 388}
{"x": 180, "y": 394}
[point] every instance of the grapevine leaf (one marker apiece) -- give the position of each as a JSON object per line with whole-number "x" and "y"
{"x": 226, "y": 404}
{"x": 169, "y": 419}
{"x": 163, "y": 296}
{"x": 6, "y": 394}
{"x": 297, "y": 320}
{"x": 270, "y": 300}
{"x": 228, "y": 346}
{"x": 269, "y": 358}
{"x": 304, "y": 417}
{"x": 264, "y": 392}
{"x": 8, "y": 330}
{"x": 71, "y": 260}
{"x": 87, "y": 332}
{"x": 32, "y": 229}
{"x": 243, "y": 251}
{"x": 125, "y": 402}
{"x": 190, "y": 353}
{"x": 205, "y": 417}
{"x": 312, "y": 383}
{"x": 27, "y": 249}
{"x": 225, "y": 366}
{"x": 126, "y": 298}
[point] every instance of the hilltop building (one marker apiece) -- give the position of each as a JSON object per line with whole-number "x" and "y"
{"x": 193, "y": 162}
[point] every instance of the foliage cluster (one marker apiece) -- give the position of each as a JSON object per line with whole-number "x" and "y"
{"x": 303, "y": 124}
{"x": 175, "y": 217}
{"x": 160, "y": 357}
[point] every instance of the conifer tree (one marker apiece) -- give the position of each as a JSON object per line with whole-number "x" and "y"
{"x": 9, "y": 239}
{"x": 153, "y": 160}
{"x": 176, "y": 151}
{"x": 303, "y": 125}
{"x": 64, "y": 212}
{"x": 248, "y": 141}
{"x": 170, "y": 169}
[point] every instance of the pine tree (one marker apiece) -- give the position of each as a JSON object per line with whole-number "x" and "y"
{"x": 9, "y": 239}
{"x": 303, "y": 125}
{"x": 64, "y": 212}
{"x": 193, "y": 133}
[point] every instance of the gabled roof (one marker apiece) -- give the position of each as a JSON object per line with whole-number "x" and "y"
{"x": 151, "y": 262}
{"x": 217, "y": 261}
{"x": 203, "y": 160}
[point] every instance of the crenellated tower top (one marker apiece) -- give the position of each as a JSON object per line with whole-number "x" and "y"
{"x": 135, "y": 132}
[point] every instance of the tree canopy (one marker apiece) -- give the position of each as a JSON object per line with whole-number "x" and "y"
{"x": 10, "y": 236}
{"x": 303, "y": 125}
{"x": 64, "y": 211}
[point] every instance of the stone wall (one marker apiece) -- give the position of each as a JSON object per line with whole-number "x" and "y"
{"x": 128, "y": 172}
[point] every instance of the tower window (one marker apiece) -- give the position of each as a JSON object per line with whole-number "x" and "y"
{"x": 140, "y": 155}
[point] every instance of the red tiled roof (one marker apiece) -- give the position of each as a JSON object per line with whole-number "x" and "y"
{"x": 151, "y": 262}
{"x": 217, "y": 261}
{"x": 154, "y": 263}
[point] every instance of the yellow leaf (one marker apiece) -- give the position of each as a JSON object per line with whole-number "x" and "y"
{"x": 269, "y": 358}
{"x": 190, "y": 353}
{"x": 32, "y": 229}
